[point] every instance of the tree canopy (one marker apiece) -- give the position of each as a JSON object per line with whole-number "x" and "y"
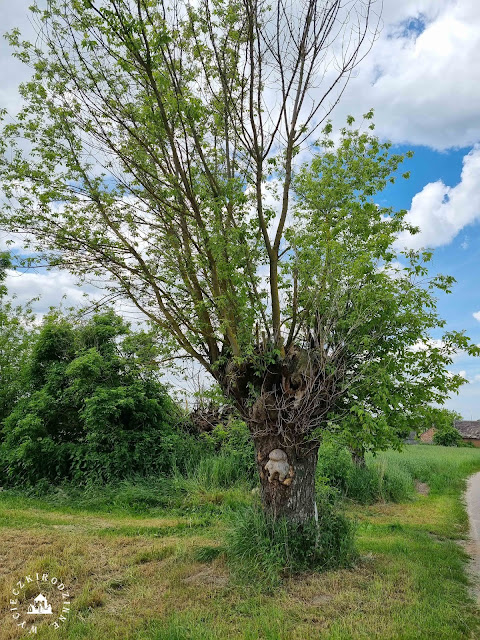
{"x": 16, "y": 326}
{"x": 153, "y": 146}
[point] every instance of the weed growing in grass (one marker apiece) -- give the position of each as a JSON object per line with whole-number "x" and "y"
{"x": 262, "y": 550}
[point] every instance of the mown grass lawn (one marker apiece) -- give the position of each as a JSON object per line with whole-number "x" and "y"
{"x": 146, "y": 563}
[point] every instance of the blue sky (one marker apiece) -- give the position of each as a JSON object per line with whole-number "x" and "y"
{"x": 460, "y": 257}
{"x": 422, "y": 77}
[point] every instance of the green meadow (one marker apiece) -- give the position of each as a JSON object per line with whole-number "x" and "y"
{"x": 150, "y": 560}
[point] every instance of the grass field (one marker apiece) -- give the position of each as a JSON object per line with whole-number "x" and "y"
{"x": 146, "y": 562}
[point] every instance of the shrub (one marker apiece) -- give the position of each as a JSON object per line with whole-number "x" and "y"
{"x": 448, "y": 437}
{"x": 335, "y": 464}
{"x": 233, "y": 442}
{"x": 92, "y": 409}
{"x": 364, "y": 484}
{"x": 394, "y": 483}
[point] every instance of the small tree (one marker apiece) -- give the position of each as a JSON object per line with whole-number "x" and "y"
{"x": 443, "y": 421}
{"x": 438, "y": 417}
{"x": 164, "y": 157}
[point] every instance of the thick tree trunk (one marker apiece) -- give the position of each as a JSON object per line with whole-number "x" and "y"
{"x": 287, "y": 480}
{"x": 358, "y": 458}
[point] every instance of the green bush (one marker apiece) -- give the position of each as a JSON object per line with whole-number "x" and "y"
{"x": 448, "y": 437}
{"x": 394, "y": 483}
{"x": 262, "y": 550}
{"x": 233, "y": 443}
{"x": 92, "y": 409}
{"x": 335, "y": 464}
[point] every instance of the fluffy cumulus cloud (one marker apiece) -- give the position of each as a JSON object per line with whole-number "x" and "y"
{"x": 48, "y": 289}
{"x": 441, "y": 211}
{"x": 422, "y": 76}
{"x": 476, "y": 315}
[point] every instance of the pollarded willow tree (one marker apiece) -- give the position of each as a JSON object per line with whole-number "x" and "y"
{"x": 159, "y": 148}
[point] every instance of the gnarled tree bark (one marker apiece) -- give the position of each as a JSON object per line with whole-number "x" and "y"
{"x": 291, "y": 496}
{"x": 292, "y": 401}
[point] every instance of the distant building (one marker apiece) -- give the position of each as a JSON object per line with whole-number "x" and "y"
{"x": 469, "y": 430}
{"x": 427, "y": 436}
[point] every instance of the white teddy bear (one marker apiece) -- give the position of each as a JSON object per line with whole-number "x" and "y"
{"x": 278, "y": 467}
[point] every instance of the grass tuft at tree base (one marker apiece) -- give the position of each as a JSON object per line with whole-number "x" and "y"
{"x": 265, "y": 550}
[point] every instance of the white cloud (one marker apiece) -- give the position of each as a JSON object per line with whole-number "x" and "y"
{"x": 425, "y": 87}
{"x": 462, "y": 374}
{"x": 476, "y": 315}
{"x": 12, "y": 71}
{"x": 394, "y": 269}
{"x": 441, "y": 211}
{"x": 53, "y": 288}
{"x": 431, "y": 343}
{"x": 396, "y": 12}
{"x": 459, "y": 356}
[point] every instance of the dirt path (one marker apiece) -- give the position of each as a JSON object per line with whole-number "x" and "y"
{"x": 473, "y": 546}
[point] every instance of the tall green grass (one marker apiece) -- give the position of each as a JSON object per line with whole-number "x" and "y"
{"x": 213, "y": 485}
{"x": 262, "y": 550}
{"x": 221, "y": 483}
{"x": 390, "y": 476}
{"x": 444, "y": 469}
{"x": 222, "y": 471}
{"x": 375, "y": 481}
